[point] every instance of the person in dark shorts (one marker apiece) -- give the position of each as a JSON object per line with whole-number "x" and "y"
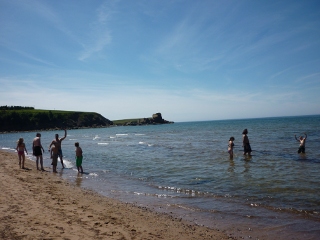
{"x": 302, "y": 140}
{"x": 246, "y": 143}
{"x": 36, "y": 148}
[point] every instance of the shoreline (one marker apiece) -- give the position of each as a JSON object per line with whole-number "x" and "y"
{"x": 241, "y": 214}
{"x": 37, "y": 204}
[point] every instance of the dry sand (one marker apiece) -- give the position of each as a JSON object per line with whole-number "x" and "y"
{"x": 41, "y": 205}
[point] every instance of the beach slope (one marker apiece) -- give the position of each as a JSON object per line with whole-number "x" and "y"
{"x": 41, "y": 205}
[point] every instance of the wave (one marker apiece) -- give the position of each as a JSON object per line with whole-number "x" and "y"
{"x": 96, "y": 137}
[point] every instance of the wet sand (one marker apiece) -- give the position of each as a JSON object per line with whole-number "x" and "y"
{"x": 41, "y": 205}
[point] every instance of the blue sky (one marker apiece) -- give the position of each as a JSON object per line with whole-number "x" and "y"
{"x": 189, "y": 60}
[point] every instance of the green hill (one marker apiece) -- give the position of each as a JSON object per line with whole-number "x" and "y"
{"x": 29, "y": 119}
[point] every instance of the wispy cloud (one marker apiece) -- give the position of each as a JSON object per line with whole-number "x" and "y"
{"x": 311, "y": 78}
{"x": 100, "y": 33}
{"x": 205, "y": 42}
{"x": 31, "y": 57}
{"x": 217, "y": 58}
{"x": 141, "y": 101}
{"x": 96, "y": 46}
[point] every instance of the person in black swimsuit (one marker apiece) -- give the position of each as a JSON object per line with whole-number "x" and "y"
{"x": 246, "y": 143}
{"x": 36, "y": 147}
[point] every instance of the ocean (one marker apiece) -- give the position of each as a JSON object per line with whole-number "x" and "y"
{"x": 184, "y": 169}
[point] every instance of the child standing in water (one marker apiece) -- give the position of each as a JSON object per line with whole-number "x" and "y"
{"x": 245, "y": 143}
{"x": 78, "y": 157}
{"x": 230, "y": 147}
{"x": 54, "y": 156}
{"x": 21, "y": 147}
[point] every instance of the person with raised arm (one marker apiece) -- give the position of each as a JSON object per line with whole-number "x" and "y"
{"x": 57, "y": 143}
{"x": 302, "y": 140}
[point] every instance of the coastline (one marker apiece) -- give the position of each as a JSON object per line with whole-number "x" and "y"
{"x": 75, "y": 128}
{"x": 37, "y": 205}
{"x": 54, "y": 129}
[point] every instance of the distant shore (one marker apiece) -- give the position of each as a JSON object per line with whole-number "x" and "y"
{"x": 55, "y": 129}
{"x": 38, "y": 205}
{"x": 75, "y": 128}
{"x": 20, "y": 119}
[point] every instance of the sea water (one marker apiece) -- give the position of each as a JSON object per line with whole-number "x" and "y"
{"x": 184, "y": 169}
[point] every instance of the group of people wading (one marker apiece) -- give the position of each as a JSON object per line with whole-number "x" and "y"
{"x": 54, "y": 149}
{"x": 247, "y": 148}
{"x": 38, "y": 150}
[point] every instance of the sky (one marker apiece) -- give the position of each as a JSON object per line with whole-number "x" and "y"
{"x": 189, "y": 60}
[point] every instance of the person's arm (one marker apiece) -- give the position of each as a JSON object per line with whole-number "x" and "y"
{"x": 305, "y": 135}
{"x": 33, "y": 147}
{"x": 65, "y": 135}
{"x": 50, "y": 146}
{"x": 41, "y": 145}
{"x": 296, "y": 138}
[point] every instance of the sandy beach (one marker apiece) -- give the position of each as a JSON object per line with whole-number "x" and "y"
{"x": 41, "y": 205}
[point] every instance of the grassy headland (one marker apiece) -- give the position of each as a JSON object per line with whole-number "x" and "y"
{"x": 122, "y": 122}
{"x": 17, "y": 118}
{"x": 37, "y": 119}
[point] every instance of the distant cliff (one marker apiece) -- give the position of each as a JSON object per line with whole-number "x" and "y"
{"x": 17, "y": 118}
{"x": 29, "y": 119}
{"x": 155, "y": 119}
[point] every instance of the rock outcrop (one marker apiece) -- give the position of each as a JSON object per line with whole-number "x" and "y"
{"x": 155, "y": 119}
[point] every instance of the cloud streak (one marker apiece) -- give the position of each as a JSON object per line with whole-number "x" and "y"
{"x": 100, "y": 34}
{"x": 189, "y": 60}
